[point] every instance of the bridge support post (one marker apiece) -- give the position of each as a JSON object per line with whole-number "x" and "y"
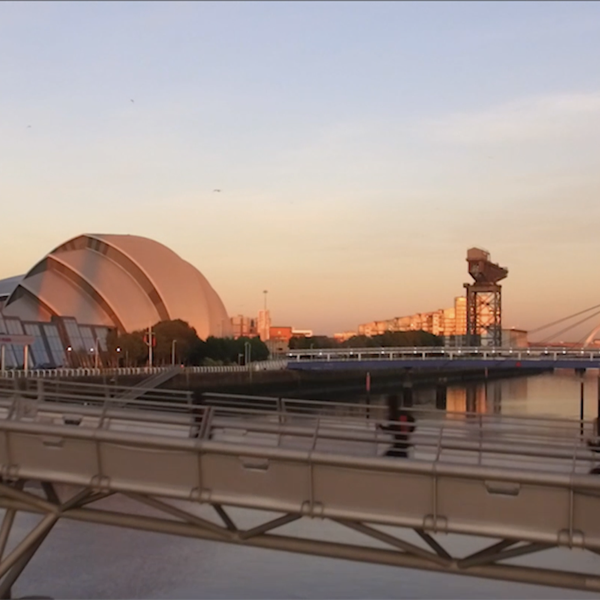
{"x": 441, "y": 394}
{"x": 597, "y": 432}
{"x": 406, "y": 397}
{"x": 581, "y": 373}
{"x": 471, "y": 400}
{"x": 18, "y": 567}
{"x": 368, "y": 390}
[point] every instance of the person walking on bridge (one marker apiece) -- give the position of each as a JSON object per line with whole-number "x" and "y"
{"x": 400, "y": 424}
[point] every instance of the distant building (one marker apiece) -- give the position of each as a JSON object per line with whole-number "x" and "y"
{"x": 242, "y": 326}
{"x": 302, "y": 332}
{"x": 344, "y": 336}
{"x": 280, "y": 333}
{"x": 264, "y": 324}
{"x": 96, "y": 283}
{"x": 280, "y": 336}
{"x": 449, "y": 323}
{"x": 514, "y": 338}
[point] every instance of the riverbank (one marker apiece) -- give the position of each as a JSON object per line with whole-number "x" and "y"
{"x": 319, "y": 384}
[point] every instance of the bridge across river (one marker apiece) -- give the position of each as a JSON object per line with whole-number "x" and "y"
{"x": 524, "y": 483}
{"x": 434, "y": 357}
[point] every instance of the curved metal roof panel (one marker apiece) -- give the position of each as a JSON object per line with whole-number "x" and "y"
{"x": 128, "y": 281}
{"x": 8, "y": 285}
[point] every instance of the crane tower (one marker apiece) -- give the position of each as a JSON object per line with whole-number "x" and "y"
{"x": 484, "y": 299}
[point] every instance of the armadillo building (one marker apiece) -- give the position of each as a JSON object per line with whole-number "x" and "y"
{"x": 92, "y": 284}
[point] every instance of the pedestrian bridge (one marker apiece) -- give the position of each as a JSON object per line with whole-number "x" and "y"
{"x": 523, "y": 483}
{"x": 437, "y": 357}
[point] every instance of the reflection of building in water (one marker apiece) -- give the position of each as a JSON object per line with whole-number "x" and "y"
{"x": 469, "y": 398}
{"x": 494, "y": 397}
{"x": 482, "y": 398}
{"x": 515, "y": 389}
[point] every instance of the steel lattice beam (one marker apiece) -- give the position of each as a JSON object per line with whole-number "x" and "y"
{"x": 485, "y": 563}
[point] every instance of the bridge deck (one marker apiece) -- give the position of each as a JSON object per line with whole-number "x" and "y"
{"x": 443, "y": 358}
{"x": 480, "y": 475}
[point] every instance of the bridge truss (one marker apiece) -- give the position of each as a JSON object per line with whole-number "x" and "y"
{"x": 299, "y": 460}
{"x": 83, "y": 506}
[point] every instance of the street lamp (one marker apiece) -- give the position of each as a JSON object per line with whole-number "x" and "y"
{"x": 69, "y": 350}
{"x": 118, "y": 350}
{"x": 247, "y": 353}
{"x": 173, "y": 344}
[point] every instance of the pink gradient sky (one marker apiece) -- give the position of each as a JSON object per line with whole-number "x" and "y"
{"x": 361, "y": 148}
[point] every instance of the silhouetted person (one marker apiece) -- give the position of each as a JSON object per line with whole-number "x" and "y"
{"x": 401, "y": 425}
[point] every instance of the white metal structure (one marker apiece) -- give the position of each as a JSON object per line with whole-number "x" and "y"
{"x": 449, "y": 353}
{"x": 446, "y": 357}
{"x": 68, "y": 373}
{"x": 522, "y": 482}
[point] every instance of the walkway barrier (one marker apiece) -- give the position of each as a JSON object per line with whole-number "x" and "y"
{"x": 449, "y": 353}
{"x": 524, "y": 482}
{"x": 68, "y": 373}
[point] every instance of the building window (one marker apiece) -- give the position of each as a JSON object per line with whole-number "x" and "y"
{"x": 38, "y": 349}
{"x": 10, "y": 361}
{"x": 75, "y": 338}
{"x": 55, "y": 344}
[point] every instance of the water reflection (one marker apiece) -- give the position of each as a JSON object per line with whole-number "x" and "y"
{"x": 550, "y": 394}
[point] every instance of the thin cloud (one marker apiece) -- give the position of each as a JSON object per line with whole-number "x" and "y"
{"x": 528, "y": 120}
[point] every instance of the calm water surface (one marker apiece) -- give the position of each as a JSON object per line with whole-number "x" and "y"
{"x": 80, "y": 560}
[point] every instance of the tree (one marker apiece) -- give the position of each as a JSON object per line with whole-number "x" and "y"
{"x": 359, "y": 341}
{"x": 189, "y": 349}
{"x": 133, "y": 351}
{"x": 230, "y": 350}
{"x": 174, "y": 336}
{"x": 314, "y": 342}
{"x": 393, "y": 339}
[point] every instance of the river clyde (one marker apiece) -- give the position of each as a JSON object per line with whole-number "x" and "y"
{"x": 80, "y": 560}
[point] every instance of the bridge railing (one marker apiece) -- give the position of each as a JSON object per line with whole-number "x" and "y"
{"x": 439, "y": 352}
{"x": 434, "y": 440}
{"x": 58, "y": 373}
{"x": 271, "y": 421}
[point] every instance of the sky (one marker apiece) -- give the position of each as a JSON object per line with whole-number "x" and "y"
{"x": 360, "y": 148}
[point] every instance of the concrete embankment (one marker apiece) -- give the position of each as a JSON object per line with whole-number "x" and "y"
{"x": 318, "y": 384}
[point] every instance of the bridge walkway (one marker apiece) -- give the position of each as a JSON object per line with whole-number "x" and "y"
{"x": 479, "y": 475}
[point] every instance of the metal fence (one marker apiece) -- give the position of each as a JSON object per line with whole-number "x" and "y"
{"x": 524, "y": 442}
{"x": 268, "y": 365}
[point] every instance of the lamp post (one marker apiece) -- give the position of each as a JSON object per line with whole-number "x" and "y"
{"x": 69, "y": 350}
{"x": 248, "y": 358}
{"x": 94, "y": 352}
{"x": 173, "y": 344}
{"x": 118, "y": 350}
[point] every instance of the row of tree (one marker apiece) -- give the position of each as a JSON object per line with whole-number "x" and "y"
{"x": 389, "y": 339}
{"x": 176, "y": 342}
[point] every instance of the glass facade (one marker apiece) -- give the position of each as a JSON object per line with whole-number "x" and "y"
{"x": 75, "y": 338}
{"x": 52, "y": 341}
{"x": 56, "y": 345}
{"x": 10, "y": 361}
{"x": 101, "y": 334}
{"x": 38, "y": 349}
{"x": 88, "y": 338}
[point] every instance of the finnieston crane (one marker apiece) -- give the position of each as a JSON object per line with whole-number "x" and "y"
{"x": 484, "y": 299}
